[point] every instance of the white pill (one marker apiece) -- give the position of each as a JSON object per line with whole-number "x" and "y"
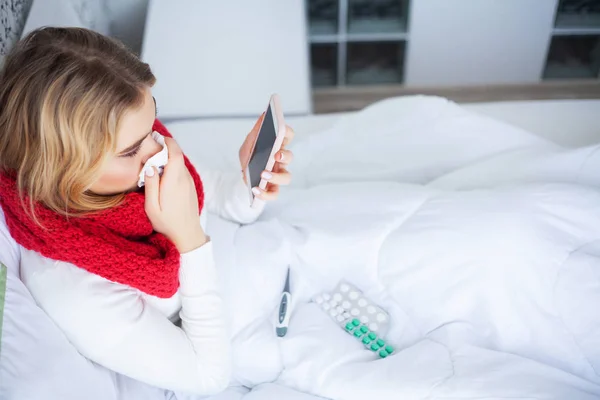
{"x": 346, "y": 305}
{"x": 326, "y": 296}
{"x": 326, "y": 306}
{"x": 381, "y": 317}
{"x": 353, "y": 295}
{"x": 364, "y": 319}
{"x": 319, "y": 299}
{"x": 337, "y": 297}
{"x": 340, "y": 318}
{"x": 371, "y": 310}
{"x": 333, "y": 312}
{"x": 344, "y": 288}
{"x": 355, "y": 312}
{"x": 346, "y": 314}
{"x": 362, "y": 302}
{"x": 339, "y": 309}
{"x": 373, "y": 326}
{"x": 333, "y": 303}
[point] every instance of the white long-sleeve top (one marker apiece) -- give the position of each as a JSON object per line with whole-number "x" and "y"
{"x": 133, "y": 333}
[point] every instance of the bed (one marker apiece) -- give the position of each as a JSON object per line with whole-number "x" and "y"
{"x": 475, "y": 226}
{"x": 478, "y": 237}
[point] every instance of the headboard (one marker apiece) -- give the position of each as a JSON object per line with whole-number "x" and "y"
{"x": 118, "y": 18}
{"x": 13, "y": 14}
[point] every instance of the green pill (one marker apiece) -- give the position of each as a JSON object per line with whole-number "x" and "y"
{"x": 380, "y": 342}
{"x": 383, "y": 354}
{"x": 364, "y": 329}
{"x": 355, "y": 322}
{"x": 366, "y": 340}
{"x": 357, "y": 333}
{"x": 372, "y": 335}
{"x": 389, "y": 349}
{"x": 349, "y": 326}
{"x": 374, "y": 347}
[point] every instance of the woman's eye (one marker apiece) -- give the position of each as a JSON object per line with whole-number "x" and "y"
{"x": 132, "y": 153}
{"x": 135, "y": 152}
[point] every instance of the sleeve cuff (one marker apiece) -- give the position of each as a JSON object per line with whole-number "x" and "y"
{"x": 247, "y": 213}
{"x": 197, "y": 272}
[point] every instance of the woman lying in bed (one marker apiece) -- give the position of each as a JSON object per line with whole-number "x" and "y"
{"x": 114, "y": 266}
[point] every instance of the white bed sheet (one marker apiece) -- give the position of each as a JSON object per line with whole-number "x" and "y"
{"x": 570, "y": 123}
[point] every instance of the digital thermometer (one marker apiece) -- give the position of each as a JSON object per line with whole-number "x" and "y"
{"x": 285, "y": 308}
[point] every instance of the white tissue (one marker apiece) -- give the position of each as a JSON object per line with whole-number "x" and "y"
{"x": 159, "y": 160}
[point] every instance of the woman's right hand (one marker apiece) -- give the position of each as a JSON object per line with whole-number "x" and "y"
{"x": 172, "y": 202}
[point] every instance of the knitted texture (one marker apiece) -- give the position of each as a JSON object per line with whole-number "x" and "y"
{"x": 118, "y": 244}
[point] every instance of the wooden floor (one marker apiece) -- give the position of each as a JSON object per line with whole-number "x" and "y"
{"x": 356, "y": 98}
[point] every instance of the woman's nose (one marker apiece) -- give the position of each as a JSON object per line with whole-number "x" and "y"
{"x": 151, "y": 149}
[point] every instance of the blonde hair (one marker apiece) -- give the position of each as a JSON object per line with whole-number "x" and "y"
{"x": 63, "y": 92}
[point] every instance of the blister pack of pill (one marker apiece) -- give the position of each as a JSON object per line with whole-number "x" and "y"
{"x": 371, "y": 340}
{"x": 346, "y": 303}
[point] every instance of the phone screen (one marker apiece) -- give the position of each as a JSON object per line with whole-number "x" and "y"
{"x": 262, "y": 149}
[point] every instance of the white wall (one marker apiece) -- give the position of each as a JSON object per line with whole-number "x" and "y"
{"x": 463, "y": 42}
{"x": 227, "y": 58}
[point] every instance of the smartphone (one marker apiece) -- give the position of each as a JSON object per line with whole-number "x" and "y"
{"x": 266, "y": 144}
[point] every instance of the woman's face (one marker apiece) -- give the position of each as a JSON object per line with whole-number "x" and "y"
{"x": 135, "y": 146}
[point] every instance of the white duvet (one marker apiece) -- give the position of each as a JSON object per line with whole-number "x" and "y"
{"x": 480, "y": 239}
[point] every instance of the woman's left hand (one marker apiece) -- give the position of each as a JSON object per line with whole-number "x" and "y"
{"x": 280, "y": 175}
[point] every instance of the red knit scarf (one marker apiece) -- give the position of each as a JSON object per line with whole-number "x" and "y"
{"x": 118, "y": 244}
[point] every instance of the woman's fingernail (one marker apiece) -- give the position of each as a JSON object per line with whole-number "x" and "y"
{"x": 267, "y": 175}
{"x": 150, "y": 172}
{"x": 280, "y": 156}
{"x": 256, "y": 191}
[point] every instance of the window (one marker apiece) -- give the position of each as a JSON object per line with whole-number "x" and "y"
{"x": 357, "y": 42}
{"x": 574, "y": 51}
